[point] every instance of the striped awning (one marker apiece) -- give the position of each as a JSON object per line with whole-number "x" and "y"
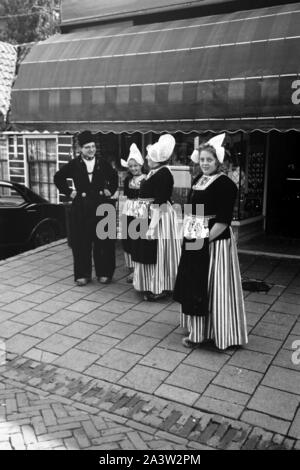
{"x": 74, "y": 12}
{"x": 231, "y": 72}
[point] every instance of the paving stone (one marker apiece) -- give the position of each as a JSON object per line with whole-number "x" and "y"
{"x": 274, "y": 402}
{"x": 271, "y": 331}
{"x": 262, "y": 298}
{"x": 155, "y": 330}
{"x": 290, "y": 298}
{"x": 279, "y": 318}
{"x": 180, "y": 395}
{"x": 98, "y": 344}
{"x": 71, "y": 444}
{"x": 285, "y": 307}
{"x": 162, "y": 359}
{"x": 28, "y": 288}
{"x": 265, "y": 421}
{"x": 283, "y": 379}
{"x": 70, "y": 296}
{"x": 101, "y": 297}
{"x": 253, "y": 318}
{"x": 58, "y": 344}
{"x": 167, "y": 316}
{"x": 190, "y": 377}
{"x": 150, "y": 307}
{"x": 143, "y": 378}
{"x": 104, "y": 373}
{"x": 297, "y": 445}
{"x": 291, "y": 342}
{"x": 206, "y": 359}
{"x": 135, "y": 317}
{"x": 256, "y": 307}
{"x": 294, "y": 430}
{"x": 264, "y": 345}
{"x": 9, "y": 296}
{"x": 251, "y": 360}
{"x": 17, "y": 441}
{"x": 225, "y": 394}
{"x": 39, "y": 296}
{"x": 90, "y": 429}
{"x": 28, "y": 434}
{"x": 15, "y": 281}
{"x": 6, "y": 316}
{"x": 120, "y": 360}
{"x": 31, "y": 317}
{"x": 174, "y": 307}
{"x": 285, "y": 359}
{"x": 137, "y": 344}
{"x": 80, "y": 329}
{"x": 131, "y": 296}
{"x": 115, "y": 306}
{"x": 76, "y": 360}
{"x": 51, "y": 306}
{"x": 296, "y": 329}
{"x": 49, "y": 418}
{"x": 99, "y": 317}
{"x": 42, "y": 330}
{"x": 56, "y": 288}
{"x": 239, "y": 379}
{"x": 64, "y": 317}
{"x": 81, "y": 438}
{"x": 117, "y": 329}
{"x": 117, "y": 289}
{"x": 39, "y": 355}
{"x": 20, "y": 343}
{"x": 221, "y": 407}
{"x": 19, "y": 306}
{"x": 10, "y": 328}
{"x": 83, "y": 306}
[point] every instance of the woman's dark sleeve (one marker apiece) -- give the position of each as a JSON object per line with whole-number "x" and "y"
{"x": 163, "y": 188}
{"x": 60, "y": 179}
{"x": 126, "y": 186}
{"x": 225, "y": 198}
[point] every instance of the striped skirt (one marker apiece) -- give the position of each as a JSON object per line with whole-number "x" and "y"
{"x": 160, "y": 277}
{"x": 226, "y": 322}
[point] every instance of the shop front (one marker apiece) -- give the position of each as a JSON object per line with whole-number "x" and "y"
{"x": 129, "y": 81}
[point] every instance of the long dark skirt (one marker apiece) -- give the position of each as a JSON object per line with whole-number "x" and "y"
{"x": 226, "y": 322}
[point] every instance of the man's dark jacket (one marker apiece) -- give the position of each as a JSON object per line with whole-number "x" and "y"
{"x": 104, "y": 177}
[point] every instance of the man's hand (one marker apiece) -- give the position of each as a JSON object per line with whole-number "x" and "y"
{"x": 107, "y": 192}
{"x": 73, "y": 194}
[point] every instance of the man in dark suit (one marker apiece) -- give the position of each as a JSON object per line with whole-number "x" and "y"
{"x": 95, "y": 182}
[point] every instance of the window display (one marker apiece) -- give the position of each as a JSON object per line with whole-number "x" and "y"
{"x": 245, "y": 165}
{"x": 42, "y": 159}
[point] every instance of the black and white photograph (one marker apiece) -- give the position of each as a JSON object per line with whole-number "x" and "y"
{"x": 149, "y": 229}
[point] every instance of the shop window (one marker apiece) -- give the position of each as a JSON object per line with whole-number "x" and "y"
{"x": 3, "y": 159}
{"x": 184, "y": 147}
{"x": 42, "y": 162}
{"x": 245, "y": 165}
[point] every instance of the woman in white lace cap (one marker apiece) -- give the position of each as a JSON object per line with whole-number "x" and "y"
{"x": 156, "y": 258}
{"x": 208, "y": 284}
{"x": 132, "y": 183}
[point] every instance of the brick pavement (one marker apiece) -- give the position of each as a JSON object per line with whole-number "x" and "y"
{"x": 103, "y": 355}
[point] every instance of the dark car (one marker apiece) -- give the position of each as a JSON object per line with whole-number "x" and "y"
{"x": 27, "y": 220}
